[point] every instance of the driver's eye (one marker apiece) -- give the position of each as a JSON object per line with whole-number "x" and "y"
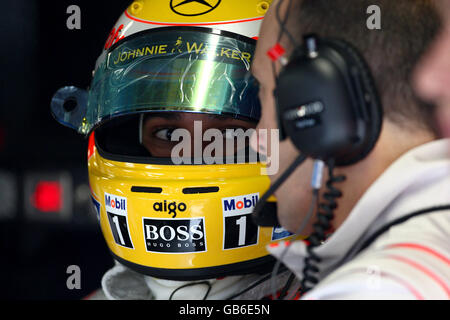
{"x": 164, "y": 134}
{"x": 234, "y": 133}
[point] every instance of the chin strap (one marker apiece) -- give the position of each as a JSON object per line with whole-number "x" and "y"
{"x": 206, "y": 283}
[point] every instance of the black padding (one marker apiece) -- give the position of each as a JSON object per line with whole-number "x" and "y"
{"x": 120, "y": 137}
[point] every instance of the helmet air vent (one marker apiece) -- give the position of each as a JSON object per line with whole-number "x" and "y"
{"x": 146, "y": 189}
{"x": 200, "y": 190}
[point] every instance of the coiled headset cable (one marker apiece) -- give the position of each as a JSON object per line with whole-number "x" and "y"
{"x": 316, "y": 183}
{"x": 324, "y": 216}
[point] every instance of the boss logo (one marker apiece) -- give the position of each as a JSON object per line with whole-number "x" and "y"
{"x": 170, "y": 208}
{"x": 174, "y": 235}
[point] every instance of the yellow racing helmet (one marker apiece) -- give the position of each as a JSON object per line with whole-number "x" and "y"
{"x": 183, "y": 221}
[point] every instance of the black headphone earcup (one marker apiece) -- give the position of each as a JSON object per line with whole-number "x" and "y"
{"x": 372, "y": 108}
{"x": 327, "y": 102}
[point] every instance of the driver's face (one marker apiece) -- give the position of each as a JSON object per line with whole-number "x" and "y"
{"x": 157, "y": 129}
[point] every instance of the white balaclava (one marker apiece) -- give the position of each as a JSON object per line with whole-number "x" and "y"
{"x": 121, "y": 283}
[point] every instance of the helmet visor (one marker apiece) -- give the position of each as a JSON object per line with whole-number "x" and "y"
{"x": 191, "y": 70}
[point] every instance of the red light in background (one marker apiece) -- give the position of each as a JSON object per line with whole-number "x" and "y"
{"x": 47, "y": 196}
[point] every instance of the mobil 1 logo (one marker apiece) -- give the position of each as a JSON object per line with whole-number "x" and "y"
{"x": 239, "y": 229}
{"x": 116, "y": 210}
{"x": 174, "y": 235}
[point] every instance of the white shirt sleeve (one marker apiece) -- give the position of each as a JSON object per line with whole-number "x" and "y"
{"x": 410, "y": 261}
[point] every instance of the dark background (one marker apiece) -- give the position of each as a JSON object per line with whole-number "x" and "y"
{"x": 39, "y": 54}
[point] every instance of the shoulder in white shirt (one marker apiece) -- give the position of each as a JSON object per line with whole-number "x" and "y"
{"x": 409, "y": 261}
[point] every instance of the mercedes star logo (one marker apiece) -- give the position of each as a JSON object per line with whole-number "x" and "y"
{"x": 193, "y": 7}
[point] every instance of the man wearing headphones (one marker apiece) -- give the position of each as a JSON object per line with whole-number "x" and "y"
{"x": 382, "y": 226}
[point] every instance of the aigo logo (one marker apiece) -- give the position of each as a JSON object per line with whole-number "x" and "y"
{"x": 170, "y": 208}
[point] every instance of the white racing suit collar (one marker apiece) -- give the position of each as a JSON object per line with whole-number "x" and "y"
{"x": 121, "y": 283}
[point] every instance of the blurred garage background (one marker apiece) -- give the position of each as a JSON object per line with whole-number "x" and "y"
{"x": 46, "y": 219}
